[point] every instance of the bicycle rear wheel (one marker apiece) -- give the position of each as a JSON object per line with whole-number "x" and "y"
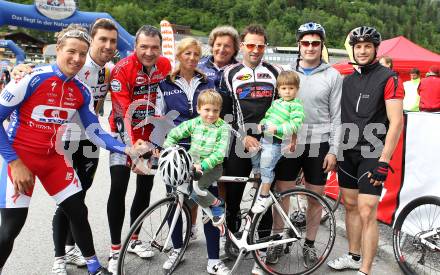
{"x": 155, "y": 221}
{"x": 289, "y": 258}
{"x": 418, "y": 217}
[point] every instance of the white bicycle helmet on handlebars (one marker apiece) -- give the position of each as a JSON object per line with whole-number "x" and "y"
{"x": 175, "y": 166}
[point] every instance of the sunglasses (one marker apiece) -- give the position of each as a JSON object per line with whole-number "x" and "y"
{"x": 314, "y": 43}
{"x": 251, "y": 47}
{"x": 77, "y": 34}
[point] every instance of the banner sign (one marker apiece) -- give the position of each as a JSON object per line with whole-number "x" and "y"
{"x": 56, "y": 9}
{"x": 168, "y": 48}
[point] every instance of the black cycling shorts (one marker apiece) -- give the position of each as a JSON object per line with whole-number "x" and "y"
{"x": 310, "y": 158}
{"x": 353, "y": 173}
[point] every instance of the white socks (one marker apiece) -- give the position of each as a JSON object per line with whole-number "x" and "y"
{"x": 212, "y": 262}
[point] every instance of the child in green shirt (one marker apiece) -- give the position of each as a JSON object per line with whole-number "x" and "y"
{"x": 282, "y": 120}
{"x": 209, "y": 141}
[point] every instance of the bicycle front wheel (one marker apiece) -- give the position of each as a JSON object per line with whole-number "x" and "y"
{"x": 419, "y": 217}
{"x": 152, "y": 228}
{"x": 304, "y": 209}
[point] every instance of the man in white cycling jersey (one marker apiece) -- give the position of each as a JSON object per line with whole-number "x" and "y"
{"x": 84, "y": 154}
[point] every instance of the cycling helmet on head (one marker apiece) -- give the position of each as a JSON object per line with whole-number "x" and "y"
{"x": 175, "y": 166}
{"x": 364, "y": 34}
{"x": 310, "y": 28}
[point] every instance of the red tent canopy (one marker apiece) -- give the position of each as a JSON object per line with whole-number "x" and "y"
{"x": 405, "y": 54}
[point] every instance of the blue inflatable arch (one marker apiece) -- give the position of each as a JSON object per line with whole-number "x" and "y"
{"x": 27, "y": 16}
{"x": 19, "y": 53}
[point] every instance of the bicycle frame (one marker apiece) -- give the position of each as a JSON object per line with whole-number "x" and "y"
{"x": 423, "y": 237}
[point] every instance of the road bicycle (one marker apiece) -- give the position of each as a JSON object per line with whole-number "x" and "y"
{"x": 416, "y": 237}
{"x": 156, "y": 224}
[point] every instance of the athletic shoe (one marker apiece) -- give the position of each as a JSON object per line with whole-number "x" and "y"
{"x": 219, "y": 268}
{"x": 142, "y": 249}
{"x": 256, "y": 269}
{"x": 102, "y": 271}
{"x": 59, "y": 266}
{"x": 274, "y": 253}
{"x": 261, "y": 204}
{"x": 113, "y": 263}
{"x": 344, "y": 262}
{"x": 74, "y": 257}
{"x": 310, "y": 256}
{"x": 172, "y": 258}
{"x": 218, "y": 214}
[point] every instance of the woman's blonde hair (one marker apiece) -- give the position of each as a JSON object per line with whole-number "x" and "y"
{"x": 183, "y": 45}
{"x": 209, "y": 96}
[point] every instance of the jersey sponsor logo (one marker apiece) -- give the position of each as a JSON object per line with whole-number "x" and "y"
{"x": 50, "y": 101}
{"x": 51, "y": 114}
{"x": 263, "y": 76}
{"x": 140, "y": 80}
{"x": 39, "y": 126}
{"x": 101, "y": 76}
{"x": 7, "y": 96}
{"x": 35, "y": 81}
{"x": 86, "y": 75}
{"x": 54, "y": 84}
{"x": 145, "y": 89}
{"x": 69, "y": 176}
{"x": 96, "y": 97}
{"x": 140, "y": 114}
{"x": 115, "y": 85}
{"x": 259, "y": 91}
{"x": 70, "y": 96}
{"x": 172, "y": 92}
{"x": 99, "y": 91}
{"x": 56, "y": 113}
{"x": 70, "y": 104}
{"x": 158, "y": 76}
{"x": 244, "y": 77}
{"x": 210, "y": 74}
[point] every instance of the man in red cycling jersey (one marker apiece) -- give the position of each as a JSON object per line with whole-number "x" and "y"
{"x": 39, "y": 105}
{"x": 133, "y": 87}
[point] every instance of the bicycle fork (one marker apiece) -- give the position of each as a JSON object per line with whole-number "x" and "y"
{"x": 177, "y": 208}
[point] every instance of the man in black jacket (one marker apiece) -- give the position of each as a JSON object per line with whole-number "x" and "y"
{"x": 371, "y": 113}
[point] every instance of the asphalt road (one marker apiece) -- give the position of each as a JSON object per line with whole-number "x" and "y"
{"x": 33, "y": 250}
